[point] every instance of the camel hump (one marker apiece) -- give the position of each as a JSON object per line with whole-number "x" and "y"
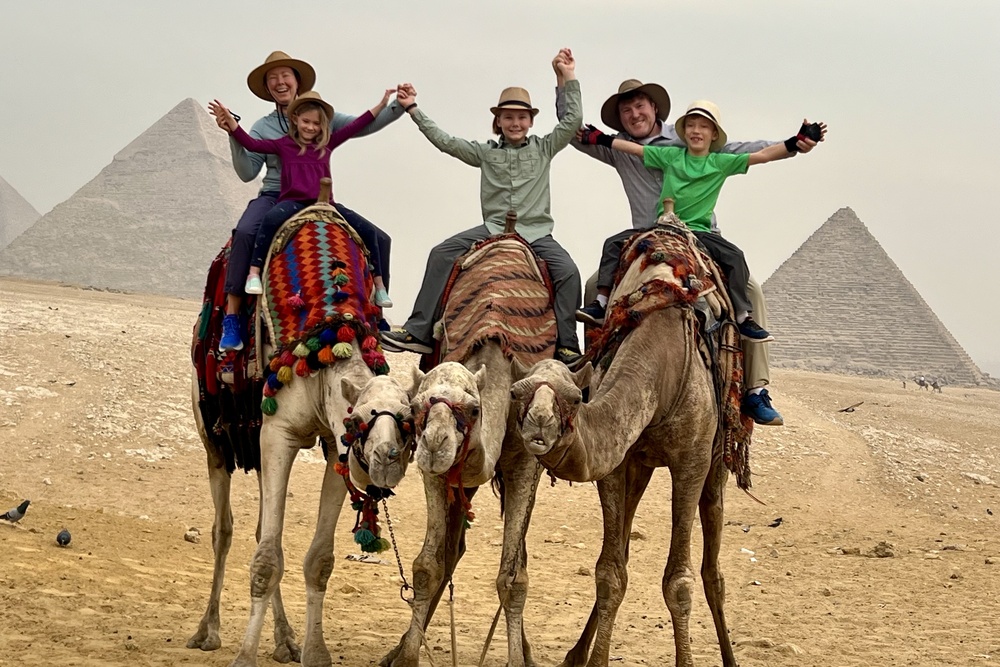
{"x": 325, "y": 191}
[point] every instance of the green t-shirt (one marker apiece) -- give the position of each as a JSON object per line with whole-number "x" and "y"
{"x": 693, "y": 182}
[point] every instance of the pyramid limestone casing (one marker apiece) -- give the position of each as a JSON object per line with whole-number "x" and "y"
{"x": 839, "y": 303}
{"x": 151, "y": 221}
{"x": 16, "y": 214}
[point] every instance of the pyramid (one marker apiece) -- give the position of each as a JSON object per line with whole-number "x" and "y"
{"x": 840, "y": 303}
{"x": 16, "y": 214}
{"x": 151, "y": 221}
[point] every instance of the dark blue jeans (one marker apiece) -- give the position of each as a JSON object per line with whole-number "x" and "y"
{"x": 273, "y": 219}
{"x": 377, "y": 241}
{"x": 243, "y": 241}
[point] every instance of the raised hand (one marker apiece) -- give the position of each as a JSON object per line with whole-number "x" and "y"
{"x": 591, "y": 136}
{"x": 564, "y": 63}
{"x": 406, "y": 94}
{"x": 806, "y": 141}
{"x": 223, "y": 117}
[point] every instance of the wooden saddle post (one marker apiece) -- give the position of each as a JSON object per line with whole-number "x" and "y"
{"x": 325, "y": 191}
{"x": 510, "y": 222}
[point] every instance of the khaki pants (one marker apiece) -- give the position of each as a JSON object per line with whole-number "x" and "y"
{"x": 756, "y": 367}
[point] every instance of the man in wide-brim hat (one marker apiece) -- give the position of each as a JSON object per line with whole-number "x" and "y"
{"x": 638, "y": 111}
{"x": 279, "y": 79}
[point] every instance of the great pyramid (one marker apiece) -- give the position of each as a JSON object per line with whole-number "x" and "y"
{"x": 16, "y": 214}
{"x": 151, "y": 221}
{"x": 840, "y": 303}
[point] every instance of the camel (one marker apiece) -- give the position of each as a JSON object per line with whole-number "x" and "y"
{"x": 653, "y": 406}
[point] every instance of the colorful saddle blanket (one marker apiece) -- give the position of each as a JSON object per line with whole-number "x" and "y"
{"x": 316, "y": 301}
{"x": 498, "y": 290}
{"x": 663, "y": 268}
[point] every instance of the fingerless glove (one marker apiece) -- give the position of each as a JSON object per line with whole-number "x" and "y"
{"x": 594, "y": 137}
{"x": 808, "y": 131}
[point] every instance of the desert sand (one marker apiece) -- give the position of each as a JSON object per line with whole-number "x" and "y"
{"x": 887, "y": 552}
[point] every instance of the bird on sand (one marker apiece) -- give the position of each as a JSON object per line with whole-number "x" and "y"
{"x": 63, "y": 538}
{"x": 16, "y": 514}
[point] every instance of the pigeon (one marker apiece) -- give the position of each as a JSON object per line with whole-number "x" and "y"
{"x": 63, "y": 538}
{"x": 16, "y": 514}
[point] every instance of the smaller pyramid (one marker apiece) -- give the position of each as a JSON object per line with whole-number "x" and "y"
{"x": 840, "y": 303}
{"x": 16, "y": 214}
{"x": 151, "y": 221}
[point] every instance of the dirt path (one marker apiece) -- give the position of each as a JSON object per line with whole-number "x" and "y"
{"x": 95, "y": 428}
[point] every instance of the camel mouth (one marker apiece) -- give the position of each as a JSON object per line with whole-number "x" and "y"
{"x": 537, "y": 446}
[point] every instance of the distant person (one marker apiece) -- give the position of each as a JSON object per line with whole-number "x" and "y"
{"x": 514, "y": 175}
{"x": 305, "y": 159}
{"x": 280, "y": 79}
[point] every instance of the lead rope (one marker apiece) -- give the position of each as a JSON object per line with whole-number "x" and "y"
{"x": 511, "y": 574}
{"x": 454, "y": 637}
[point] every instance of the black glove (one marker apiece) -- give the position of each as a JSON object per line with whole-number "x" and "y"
{"x": 812, "y": 131}
{"x": 591, "y": 136}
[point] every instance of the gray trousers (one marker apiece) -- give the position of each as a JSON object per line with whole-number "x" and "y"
{"x": 562, "y": 270}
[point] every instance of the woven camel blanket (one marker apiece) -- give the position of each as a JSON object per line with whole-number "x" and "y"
{"x": 316, "y": 302}
{"x": 499, "y": 290}
{"x": 664, "y": 268}
{"x": 229, "y": 394}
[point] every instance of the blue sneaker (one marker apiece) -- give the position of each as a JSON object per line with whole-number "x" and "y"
{"x": 753, "y": 332}
{"x": 592, "y": 314}
{"x": 758, "y": 406}
{"x": 231, "y": 339}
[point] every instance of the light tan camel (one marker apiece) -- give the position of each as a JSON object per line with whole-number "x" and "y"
{"x": 653, "y": 407}
{"x": 465, "y": 434}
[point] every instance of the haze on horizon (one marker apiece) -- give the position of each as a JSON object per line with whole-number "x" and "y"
{"x": 909, "y": 90}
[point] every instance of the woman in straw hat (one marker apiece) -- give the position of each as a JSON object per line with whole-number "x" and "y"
{"x": 515, "y": 168}
{"x": 279, "y": 80}
{"x": 693, "y": 177}
{"x": 305, "y": 159}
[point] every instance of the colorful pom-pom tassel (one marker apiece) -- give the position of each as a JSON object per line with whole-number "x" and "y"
{"x": 341, "y": 469}
{"x": 273, "y": 382}
{"x": 285, "y": 374}
{"x": 295, "y": 302}
{"x": 327, "y": 336}
{"x": 348, "y": 315}
{"x": 287, "y": 358}
{"x": 341, "y": 279}
{"x": 275, "y": 364}
{"x": 343, "y": 350}
{"x": 340, "y": 295}
{"x": 301, "y": 368}
{"x": 269, "y": 391}
{"x": 326, "y": 356}
{"x": 345, "y": 334}
{"x": 269, "y": 406}
{"x": 369, "y": 343}
{"x": 301, "y": 350}
{"x": 364, "y": 537}
{"x": 313, "y": 344}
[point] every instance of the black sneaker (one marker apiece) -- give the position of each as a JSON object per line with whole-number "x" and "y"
{"x": 753, "y": 331}
{"x": 401, "y": 341}
{"x": 592, "y": 314}
{"x": 569, "y": 356}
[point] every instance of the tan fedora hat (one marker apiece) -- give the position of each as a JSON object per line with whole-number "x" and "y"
{"x": 514, "y": 98}
{"x": 310, "y": 96}
{"x": 656, "y": 92}
{"x": 257, "y": 79}
{"x": 707, "y": 110}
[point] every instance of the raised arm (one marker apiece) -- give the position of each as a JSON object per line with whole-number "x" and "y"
{"x": 356, "y": 126}
{"x": 597, "y": 152}
{"x": 569, "y": 123}
{"x": 386, "y": 116}
{"x": 591, "y": 136}
{"x": 246, "y": 164}
{"x": 467, "y": 151}
{"x": 809, "y": 132}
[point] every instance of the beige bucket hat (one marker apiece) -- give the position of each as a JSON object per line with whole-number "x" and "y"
{"x": 310, "y": 96}
{"x": 656, "y": 92}
{"x": 707, "y": 110}
{"x": 257, "y": 79}
{"x": 514, "y": 98}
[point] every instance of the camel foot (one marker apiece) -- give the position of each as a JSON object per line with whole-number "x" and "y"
{"x": 287, "y": 651}
{"x": 316, "y": 655}
{"x": 396, "y": 658}
{"x": 206, "y": 639}
{"x": 574, "y": 659}
{"x": 243, "y": 661}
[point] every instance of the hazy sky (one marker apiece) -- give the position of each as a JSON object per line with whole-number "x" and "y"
{"x": 910, "y": 90}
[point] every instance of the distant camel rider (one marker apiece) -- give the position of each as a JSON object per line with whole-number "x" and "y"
{"x": 638, "y": 112}
{"x": 280, "y": 79}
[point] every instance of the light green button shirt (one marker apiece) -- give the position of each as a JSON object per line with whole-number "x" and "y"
{"x": 513, "y": 177}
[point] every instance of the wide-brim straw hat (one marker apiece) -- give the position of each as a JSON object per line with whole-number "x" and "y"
{"x": 514, "y": 98}
{"x": 257, "y": 78}
{"x": 707, "y": 110}
{"x": 656, "y": 92}
{"x": 309, "y": 96}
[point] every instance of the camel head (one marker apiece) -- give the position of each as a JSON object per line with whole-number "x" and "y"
{"x": 549, "y": 396}
{"x": 446, "y": 410}
{"x": 381, "y": 411}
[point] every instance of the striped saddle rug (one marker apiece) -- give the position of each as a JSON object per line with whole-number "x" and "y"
{"x": 498, "y": 290}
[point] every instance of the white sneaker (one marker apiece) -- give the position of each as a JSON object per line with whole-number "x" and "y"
{"x": 382, "y": 299}
{"x": 253, "y": 285}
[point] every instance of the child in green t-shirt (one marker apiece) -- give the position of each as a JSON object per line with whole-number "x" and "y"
{"x": 693, "y": 177}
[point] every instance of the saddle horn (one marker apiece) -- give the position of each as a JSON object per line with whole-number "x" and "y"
{"x": 668, "y": 206}
{"x": 510, "y": 221}
{"x": 325, "y": 191}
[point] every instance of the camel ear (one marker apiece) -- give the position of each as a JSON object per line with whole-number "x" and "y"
{"x": 481, "y": 377}
{"x": 416, "y": 378}
{"x": 520, "y": 389}
{"x": 349, "y": 389}
{"x": 518, "y": 370}
{"x": 581, "y": 378}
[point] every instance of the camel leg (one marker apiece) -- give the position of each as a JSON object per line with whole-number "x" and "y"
{"x": 637, "y": 478}
{"x": 285, "y": 647}
{"x": 688, "y": 478}
{"x": 521, "y": 484}
{"x": 428, "y": 575}
{"x": 207, "y": 636}
{"x": 711, "y": 509}
{"x": 318, "y": 566}
{"x": 278, "y": 450}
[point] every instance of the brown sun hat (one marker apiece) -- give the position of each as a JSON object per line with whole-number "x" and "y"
{"x": 656, "y": 92}
{"x": 309, "y": 96}
{"x": 257, "y": 79}
{"x": 514, "y": 98}
{"x": 707, "y": 110}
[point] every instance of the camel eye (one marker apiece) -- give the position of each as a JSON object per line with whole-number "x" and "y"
{"x": 475, "y": 412}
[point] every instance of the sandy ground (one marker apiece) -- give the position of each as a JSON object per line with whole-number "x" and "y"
{"x": 96, "y": 429}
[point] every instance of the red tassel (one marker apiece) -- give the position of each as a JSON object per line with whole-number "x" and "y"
{"x": 301, "y": 368}
{"x": 325, "y": 356}
{"x": 295, "y": 302}
{"x": 275, "y": 364}
{"x": 345, "y": 334}
{"x": 369, "y": 343}
{"x": 287, "y": 358}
